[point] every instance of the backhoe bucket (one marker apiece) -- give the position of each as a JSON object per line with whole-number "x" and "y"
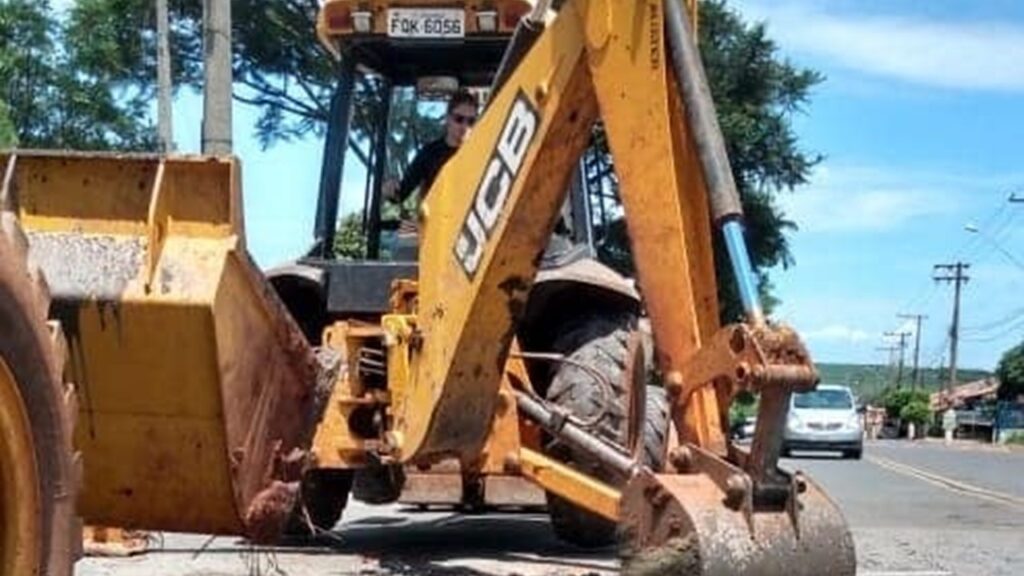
{"x": 196, "y": 390}
{"x": 686, "y": 524}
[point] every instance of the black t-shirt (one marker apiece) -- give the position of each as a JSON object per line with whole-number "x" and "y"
{"x": 424, "y": 168}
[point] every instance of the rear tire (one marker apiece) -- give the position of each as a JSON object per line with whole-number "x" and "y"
{"x": 37, "y": 421}
{"x": 600, "y": 343}
{"x": 323, "y": 496}
{"x": 379, "y": 484}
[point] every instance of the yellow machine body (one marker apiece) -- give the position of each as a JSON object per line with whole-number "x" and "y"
{"x": 194, "y": 384}
{"x": 201, "y": 404}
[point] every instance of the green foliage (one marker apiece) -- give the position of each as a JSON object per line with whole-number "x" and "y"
{"x": 744, "y": 406}
{"x": 350, "y": 242}
{"x": 916, "y": 411}
{"x": 1011, "y": 373}
{"x": 8, "y": 135}
{"x": 896, "y": 401}
{"x": 1017, "y": 439}
{"x": 282, "y": 69}
{"x": 58, "y": 96}
{"x": 756, "y": 95}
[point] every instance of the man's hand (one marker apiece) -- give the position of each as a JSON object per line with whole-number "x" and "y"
{"x": 390, "y": 190}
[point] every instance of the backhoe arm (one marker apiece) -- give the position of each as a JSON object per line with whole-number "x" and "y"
{"x": 636, "y": 66}
{"x": 485, "y": 222}
{"x": 496, "y": 202}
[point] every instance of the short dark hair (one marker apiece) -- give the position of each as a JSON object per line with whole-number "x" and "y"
{"x": 461, "y": 97}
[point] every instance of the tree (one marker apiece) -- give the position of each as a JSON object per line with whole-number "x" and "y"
{"x": 55, "y": 99}
{"x": 350, "y": 242}
{"x": 281, "y": 68}
{"x": 916, "y": 412}
{"x": 1011, "y": 373}
{"x": 8, "y": 136}
{"x": 896, "y": 400}
{"x": 756, "y": 95}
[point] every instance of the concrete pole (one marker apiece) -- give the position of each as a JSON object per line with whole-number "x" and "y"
{"x": 165, "y": 124}
{"x": 218, "y": 77}
{"x": 954, "y": 273}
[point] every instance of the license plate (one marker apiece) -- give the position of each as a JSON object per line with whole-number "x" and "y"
{"x": 426, "y": 23}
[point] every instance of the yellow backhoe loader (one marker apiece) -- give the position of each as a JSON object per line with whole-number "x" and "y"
{"x": 152, "y": 377}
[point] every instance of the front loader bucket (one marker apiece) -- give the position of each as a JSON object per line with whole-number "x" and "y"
{"x": 685, "y": 524}
{"x": 196, "y": 390}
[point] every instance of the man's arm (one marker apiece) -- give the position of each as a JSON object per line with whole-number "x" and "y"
{"x": 414, "y": 175}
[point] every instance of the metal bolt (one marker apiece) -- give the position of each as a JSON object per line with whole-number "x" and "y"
{"x": 800, "y": 484}
{"x": 681, "y": 458}
{"x": 674, "y": 383}
{"x": 541, "y": 92}
{"x": 512, "y": 464}
{"x": 657, "y": 495}
{"x": 735, "y": 491}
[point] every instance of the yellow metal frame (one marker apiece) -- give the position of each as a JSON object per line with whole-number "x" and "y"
{"x": 562, "y": 480}
{"x": 596, "y": 58}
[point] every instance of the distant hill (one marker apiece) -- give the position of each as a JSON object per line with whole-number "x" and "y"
{"x": 868, "y": 380}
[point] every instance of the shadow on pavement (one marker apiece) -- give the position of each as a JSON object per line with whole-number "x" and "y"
{"x": 436, "y": 546}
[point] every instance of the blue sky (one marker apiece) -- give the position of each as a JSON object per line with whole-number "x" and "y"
{"x": 920, "y": 120}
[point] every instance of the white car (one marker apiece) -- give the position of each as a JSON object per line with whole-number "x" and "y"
{"x": 825, "y": 418}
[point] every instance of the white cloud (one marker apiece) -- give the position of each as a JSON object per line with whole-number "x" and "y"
{"x": 973, "y": 55}
{"x": 837, "y": 332}
{"x": 844, "y": 198}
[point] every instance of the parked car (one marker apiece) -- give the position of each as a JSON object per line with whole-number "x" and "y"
{"x": 824, "y": 419}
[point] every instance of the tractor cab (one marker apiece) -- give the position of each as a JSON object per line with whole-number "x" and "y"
{"x": 399, "y": 61}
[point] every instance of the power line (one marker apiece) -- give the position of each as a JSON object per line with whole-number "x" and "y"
{"x": 902, "y": 347}
{"x": 1011, "y": 317}
{"x": 1019, "y": 325}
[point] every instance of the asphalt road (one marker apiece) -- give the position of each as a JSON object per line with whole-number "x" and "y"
{"x": 915, "y": 510}
{"x": 924, "y": 509}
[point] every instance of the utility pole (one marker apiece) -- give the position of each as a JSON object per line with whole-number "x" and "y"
{"x": 892, "y": 356}
{"x": 953, "y": 273}
{"x": 902, "y": 346}
{"x": 917, "y": 318}
{"x": 163, "y": 78}
{"x": 217, "y": 77}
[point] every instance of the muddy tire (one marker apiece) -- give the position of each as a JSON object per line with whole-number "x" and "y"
{"x": 322, "y": 500}
{"x": 377, "y": 484}
{"x": 36, "y": 423}
{"x": 601, "y": 343}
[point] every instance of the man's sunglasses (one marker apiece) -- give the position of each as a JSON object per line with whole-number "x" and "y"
{"x": 464, "y": 120}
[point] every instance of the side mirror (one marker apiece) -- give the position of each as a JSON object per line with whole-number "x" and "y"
{"x": 861, "y": 409}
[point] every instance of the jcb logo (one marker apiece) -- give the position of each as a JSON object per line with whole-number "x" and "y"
{"x": 494, "y": 189}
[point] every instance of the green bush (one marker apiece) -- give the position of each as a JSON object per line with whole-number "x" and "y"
{"x": 916, "y": 411}
{"x": 743, "y": 407}
{"x": 1011, "y": 373}
{"x": 895, "y": 400}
